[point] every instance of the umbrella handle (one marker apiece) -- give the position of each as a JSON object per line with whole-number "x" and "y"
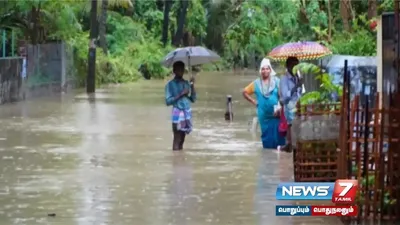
{"x": 299, "y": 74}
{"x": 190, "y": 68}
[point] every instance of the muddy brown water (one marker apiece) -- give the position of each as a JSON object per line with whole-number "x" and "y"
{"x": 108, "y": 160}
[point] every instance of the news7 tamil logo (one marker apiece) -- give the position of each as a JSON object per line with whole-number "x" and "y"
{"x": 342, "y": 191}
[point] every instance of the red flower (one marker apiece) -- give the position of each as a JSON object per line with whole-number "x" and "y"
{"x": 373, "y": 24}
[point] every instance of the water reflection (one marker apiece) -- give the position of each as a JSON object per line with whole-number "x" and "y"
{"x": 274, "y": 167}
{"x": 264, "y": 190}
{"x": 182, "y": 199}
{"x": 96, "y": 193}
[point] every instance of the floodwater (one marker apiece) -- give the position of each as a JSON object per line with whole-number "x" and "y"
{"x": 108, "y": 160}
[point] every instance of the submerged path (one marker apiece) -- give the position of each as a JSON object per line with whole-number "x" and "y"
{"x": 109, "y": 161}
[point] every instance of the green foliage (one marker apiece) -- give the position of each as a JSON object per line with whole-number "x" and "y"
{"x": 148, "y": 15}
{"x": 150, "y": 53}
{"x": 122, "y": 31}
{"x": 260, "y": 26}
{"x": 129, "y": 41}
{"x": 360, "y": 42}
{"x": 327, "y": 88}
{"x": 238, "y": 30}
{"x": 129, "y": 47}
{"x": 196, "y": 21}
{"x": 388, "y": 200}
{"x": 386, "y": 6}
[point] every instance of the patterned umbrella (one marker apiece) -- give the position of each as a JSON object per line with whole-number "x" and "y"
{"x": 303, "y": 50}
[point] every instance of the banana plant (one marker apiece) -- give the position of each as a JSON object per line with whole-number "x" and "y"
{"x": 328, "y": 91}
{"x": 306, "y": 69}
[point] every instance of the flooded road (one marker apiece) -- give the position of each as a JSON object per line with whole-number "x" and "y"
{"x": 108, "y": 160}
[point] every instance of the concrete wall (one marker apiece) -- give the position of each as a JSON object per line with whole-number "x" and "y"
{"x": 10, "y": 80}
{"x": 49, "y": 70}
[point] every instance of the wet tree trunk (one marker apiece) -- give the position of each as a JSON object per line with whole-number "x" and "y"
{"x": 329, "y": 20}
{"x": 103, "y": 26}
{"x": 345, "y": 13}
{"x": 180, "y": 22}
{"x": 372, "y": 9}
{"x": 167, "y": 9}
{"x": 91, "y": 76}
{"x": 188, "y": 39}
{"x": 35, "y": 20}
{"x": 303, "y": 14}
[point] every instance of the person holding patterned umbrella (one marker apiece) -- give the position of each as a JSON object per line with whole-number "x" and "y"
{"x": 290, "y": 92}
{"x": 291, "y": 85}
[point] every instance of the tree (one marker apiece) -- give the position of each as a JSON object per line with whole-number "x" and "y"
{"x": 165, "y": 28}
{"x": 372, "y": 9}
{"x": 105, "y": 4}
{"x": 103, "y": 25}
{"x": 180, "y": 21}
{"x": 330, "y": 20}
{"x": 346, "y": 14}
{"x": 220, "y": 16}
{"x": 91, "y": 75}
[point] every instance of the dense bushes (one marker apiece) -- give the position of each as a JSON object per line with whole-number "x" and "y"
{"x": 130, "y": 46}
{"x": 240, "y": 31}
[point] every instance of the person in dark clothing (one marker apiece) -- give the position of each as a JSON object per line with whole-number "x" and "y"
{"x": 290, "y": 93}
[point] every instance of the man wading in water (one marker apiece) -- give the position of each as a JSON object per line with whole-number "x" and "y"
{"x": 180, "y": 94}
{"x": 291, "y": 90}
